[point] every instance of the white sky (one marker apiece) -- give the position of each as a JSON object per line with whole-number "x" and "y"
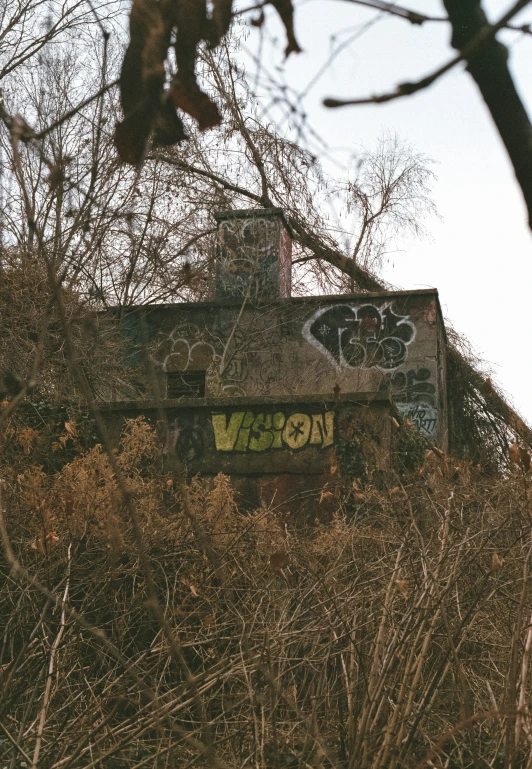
{"x": 480, "y": 258}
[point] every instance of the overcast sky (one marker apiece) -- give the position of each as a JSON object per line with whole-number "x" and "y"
{"x": 480, "y": 257}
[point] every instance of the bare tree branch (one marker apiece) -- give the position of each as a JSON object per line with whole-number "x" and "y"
{"x": 487, "y": 61}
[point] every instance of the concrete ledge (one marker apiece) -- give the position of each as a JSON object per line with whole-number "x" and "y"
{"x": 356, "y": 399}
{"x": 292, "y": 300}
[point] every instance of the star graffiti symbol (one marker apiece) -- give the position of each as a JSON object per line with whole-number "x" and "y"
{"x": 324, "y": 329}
{"x": 298, "y": 429}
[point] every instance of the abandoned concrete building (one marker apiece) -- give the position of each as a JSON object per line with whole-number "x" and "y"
{"x": 264, "y": 386}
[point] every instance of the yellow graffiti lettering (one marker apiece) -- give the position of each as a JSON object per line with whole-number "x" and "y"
{"x": 322, "y": 432}
{"x": 297, "y": 430}
{"x": 243, "y": 434}
{"x": 225, "y": 434}
{"x": 278, "y": 424}
{"x": 247, "y": 431}
{"x": 261, "y": 435}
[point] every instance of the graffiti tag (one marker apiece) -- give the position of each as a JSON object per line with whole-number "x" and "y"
{"x": 243, "y": 431}
{"x": 411, "y": 386}
{"x": 415, "y": 398}
{"x": 423, "y": 416}
{"x": 184, "y": 435}
{"x": 360, "y": 337}
{"x": 247, "y": 256}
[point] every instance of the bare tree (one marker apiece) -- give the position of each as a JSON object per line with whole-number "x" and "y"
{"x": 389, "y": 197}
{"x": 147, "y": 621}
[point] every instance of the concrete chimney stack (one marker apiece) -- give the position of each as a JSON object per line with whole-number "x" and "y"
{"x": 254, "y": 257}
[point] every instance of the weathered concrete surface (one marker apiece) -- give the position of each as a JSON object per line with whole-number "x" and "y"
{"x": 250, "y": 436}
{"x": 301, "y": 346}
{"x": 254, "y": 257}
{"x": 283, "y": 452}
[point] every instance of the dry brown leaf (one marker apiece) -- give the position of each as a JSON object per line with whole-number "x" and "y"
{"x": 194, "y": 591}
{"x": 496, "y": 562}
{"x": 519, "y": 456}
{"x": 38, "y": 545}
{"x": 334, "y": 469}
{"x": 286, "y": 11}
{"x": 222, "y": 13}
{"x": 525, "y": 459}
{"x": 189, "y": 97}
{"x": 168, "y": 127}
{"x": 291, "y": 694}
{"x": 142, "y": 77}
{"x": 488, "y": 387}
{"x": 514, "y": 453}
{"x": 326, "y": 495}
{"x": 278, "y": 561}
{"x": 402, "y": 587}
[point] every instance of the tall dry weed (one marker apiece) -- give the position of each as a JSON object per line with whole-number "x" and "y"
{"x": 395, "y": 635}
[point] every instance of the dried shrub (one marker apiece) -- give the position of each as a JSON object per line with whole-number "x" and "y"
{"x": 362, "y": 640}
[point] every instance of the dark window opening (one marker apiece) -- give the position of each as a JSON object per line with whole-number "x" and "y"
{"x": 185, "y": 384}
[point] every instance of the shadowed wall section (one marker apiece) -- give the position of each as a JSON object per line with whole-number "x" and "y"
{"x": 273, "y": 449}
{"x": 271, "y": 389}
{"x": 313, "y": 346}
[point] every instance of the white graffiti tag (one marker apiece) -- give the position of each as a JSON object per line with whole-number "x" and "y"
{"x": 363, "y": 336}
{"x": 182, "y": 351}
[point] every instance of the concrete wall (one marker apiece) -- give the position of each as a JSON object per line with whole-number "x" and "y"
{"x": 254, "y": 254}
{"x": 300, "y": 346}
{"x": 285, "y": 451}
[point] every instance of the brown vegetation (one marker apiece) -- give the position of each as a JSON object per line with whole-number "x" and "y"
{"x": 395, "y": 635}
{"x": 147, "y": 619}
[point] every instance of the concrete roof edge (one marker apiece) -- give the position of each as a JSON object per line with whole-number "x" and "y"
{"x": 356, "y": 398}
{"x": 280, "y": 301}
{"x": 247, "y": 213}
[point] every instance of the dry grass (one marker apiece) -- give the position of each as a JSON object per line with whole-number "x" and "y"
{"x": 401, "y": 628}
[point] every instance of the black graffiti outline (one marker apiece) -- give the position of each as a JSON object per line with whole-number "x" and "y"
{"x": 297, "y": 429}
{"x": 361, "y": 336}
{"x": 185, "y": 437}
{"x": 423, "y": 415}
{"x": 412, "y": 386}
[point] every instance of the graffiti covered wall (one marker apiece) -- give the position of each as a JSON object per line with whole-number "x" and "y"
{"x": 415, "y": 397}
{"x": 365, "y": 336}
{"x": 191, "y": 435}
{"x": 312, "y": 346}
{"x": 283, "y": 453}
{"x": 296, "y": 437}
{"x": 254, "y": 254}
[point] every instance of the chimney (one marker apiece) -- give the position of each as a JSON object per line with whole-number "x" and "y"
{"x": 254, "y": 254}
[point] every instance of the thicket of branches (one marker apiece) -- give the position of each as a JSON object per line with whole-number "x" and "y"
{"x": 146, "y": 619}
{"x": 395, "y": 635}
{"x": 107, "y": 234}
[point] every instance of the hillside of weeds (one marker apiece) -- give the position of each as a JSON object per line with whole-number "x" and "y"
{"x": 147, "y": 620}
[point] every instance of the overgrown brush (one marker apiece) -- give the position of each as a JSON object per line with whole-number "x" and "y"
{"x": 396, "y": 636}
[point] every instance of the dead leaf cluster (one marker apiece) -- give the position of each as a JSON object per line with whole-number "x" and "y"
{"x": 146, "y": 105}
